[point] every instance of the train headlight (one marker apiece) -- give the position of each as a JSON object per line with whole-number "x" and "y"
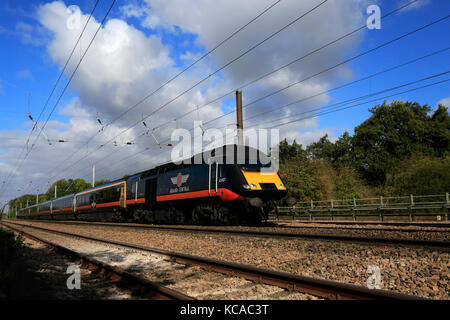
{"x": 282, "y": 186}
{"x": 246, "y": 186}
{"x": 253, "y": 186}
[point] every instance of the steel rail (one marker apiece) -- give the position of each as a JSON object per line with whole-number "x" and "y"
{"x": 138, "y": 285}
{"x": 271, "y": 224}
{"x": 384, "y": 223}
{"x": 406, "y": 242}
{"x": 318, "y": 287}
{"x": 356, "y": 228}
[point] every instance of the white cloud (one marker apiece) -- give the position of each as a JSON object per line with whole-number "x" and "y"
{"x": 132, "y": 10}
{"x": 445, "y": 102}
{"x": 24, "y": 74}
{"x": 416, "y": 5}
{"x": 30, "y": 34}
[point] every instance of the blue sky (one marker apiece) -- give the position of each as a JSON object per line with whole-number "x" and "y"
{"x": 32, "y": 54}
{"x": 420, "y": 44}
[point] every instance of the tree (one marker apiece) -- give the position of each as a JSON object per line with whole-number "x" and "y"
{"x": 419, "y": 175}
{"x": 439, "y": 131}
{"x": 395, "y": 131}
{"x": 65, "y": 187}
{"x": 321, "y": 150}
{"x": 289, "y": 152}
{"x": 101, "y": 182}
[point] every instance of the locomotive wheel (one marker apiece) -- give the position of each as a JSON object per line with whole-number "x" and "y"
{"x": 139, "y": 215}
{"x": 227, "y": 217}
{"x": 197, "y": 215}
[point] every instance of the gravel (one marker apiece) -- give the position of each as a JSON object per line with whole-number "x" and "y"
{"x": 412, "y": 270}
{"x": 44, "y": 277}
{"x": 411, "y": 233}
{"x": 191, "y": 280}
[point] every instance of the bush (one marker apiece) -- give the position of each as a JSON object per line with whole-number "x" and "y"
{"x": 317, "y": 180}
{"x": 348, "y": 185}
{"x": 10, "y": 246}
{"x": 420, "y": 175}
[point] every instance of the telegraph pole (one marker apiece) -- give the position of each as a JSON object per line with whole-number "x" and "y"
{"x": 55, "y": 191}
{"x": 240, "y": 122}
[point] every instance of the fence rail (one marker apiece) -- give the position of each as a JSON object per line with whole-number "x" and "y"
{"x": 381, "y": 207}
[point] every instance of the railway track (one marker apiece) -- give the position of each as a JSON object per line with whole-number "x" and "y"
{"x": 318, "y": 287}
{"x": 383, "y": 223}
{"x": 393, "y": 228}
{"x": 394, "y": 241}
{"x": 139, "y": 285}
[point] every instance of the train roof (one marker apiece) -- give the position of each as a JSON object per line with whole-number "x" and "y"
{"x": 101, "y": 186}
{"x": 216, "y": 153}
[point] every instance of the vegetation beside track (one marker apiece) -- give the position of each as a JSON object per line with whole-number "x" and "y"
{"x": 10, "y": 250}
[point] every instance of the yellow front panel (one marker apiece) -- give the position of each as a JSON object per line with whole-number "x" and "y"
{"x": 255, "y": 178}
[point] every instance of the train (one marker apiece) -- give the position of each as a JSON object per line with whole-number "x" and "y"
{"x": 230, "y": 185}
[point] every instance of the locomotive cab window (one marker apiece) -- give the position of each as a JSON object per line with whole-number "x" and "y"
{"x": 255, "y": 164}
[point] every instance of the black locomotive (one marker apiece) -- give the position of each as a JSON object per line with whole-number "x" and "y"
{"x": 227, "y": 185}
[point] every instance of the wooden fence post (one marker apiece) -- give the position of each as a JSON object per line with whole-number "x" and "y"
{"x": 447, "y": 200}
{"x": 380, "y": 208}
{"x": 331, "y": 210}
{"x": 411, "y": 198}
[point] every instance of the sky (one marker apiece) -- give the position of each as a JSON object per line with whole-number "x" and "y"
{"x": 132, "y": 70}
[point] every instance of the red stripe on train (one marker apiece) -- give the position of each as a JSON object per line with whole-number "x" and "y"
{"x": 140, "y": 200}
{"x": 225, "y": 194}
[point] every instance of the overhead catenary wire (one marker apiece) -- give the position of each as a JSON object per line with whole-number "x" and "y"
{"x": 345, "y": 61}
{"x": 352, "y": 106}
{"x": 259, "y": 78}
{"x": 209, "y": 76}
{"x": 179, "y": 74}
{"x": 298, "y": 59}
{"x": 51, "y": 94}
{"x": 349, "y": 83}
{"x": 78, "y": 64}
{"x": 195, "y": 62}
{"x": 343, "y": 106}
{"x": 303, "y": 99}
{"x": 71, "y": 77}
{"x": 336, "y": 65}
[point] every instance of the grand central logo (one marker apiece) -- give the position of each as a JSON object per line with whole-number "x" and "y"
{"x": 179, "y": 179}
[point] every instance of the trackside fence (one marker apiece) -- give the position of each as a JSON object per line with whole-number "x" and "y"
{"x": 407, "y": 208}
